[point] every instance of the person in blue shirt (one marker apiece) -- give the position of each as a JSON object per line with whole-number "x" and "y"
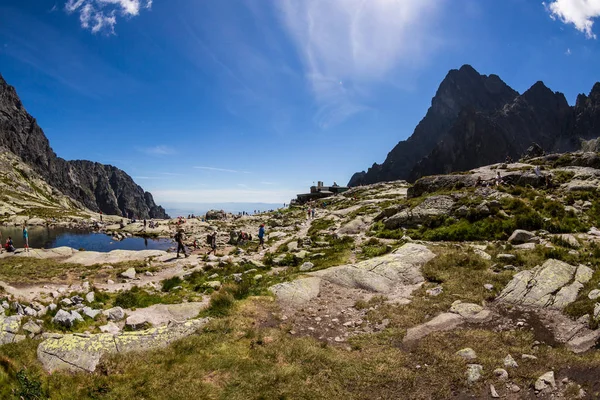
{"x": 261, "y": 236}
{"x": 25, "y": 238}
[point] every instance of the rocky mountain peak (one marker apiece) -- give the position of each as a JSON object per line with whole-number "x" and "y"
{"x": 478, "y": 119}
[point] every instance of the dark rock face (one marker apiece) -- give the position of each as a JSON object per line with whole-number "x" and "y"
{"x": 477, "y": 120}
{"x": 98, "y": 187}
{"x": 460, "y": 89}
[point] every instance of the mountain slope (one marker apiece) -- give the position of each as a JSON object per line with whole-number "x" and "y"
{"x": 98, "y": 187}
{"x": 485, "y": 127}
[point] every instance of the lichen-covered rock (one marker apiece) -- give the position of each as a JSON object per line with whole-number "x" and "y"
{"x": 9, "y": 327}
{"x": 83, "y": 352}
{"x": 542, "y": 286}
{"x": 545, "y": 382}
{"x": 129, "y": 274}
{"x": 474, "y": 373}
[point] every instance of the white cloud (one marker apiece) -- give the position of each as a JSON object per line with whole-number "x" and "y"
{"x": 568, "y": 52}
{"x": 160, "y": 150}
{"x": 580, "y": 13}
{"x": 348, "y": 45}
{"x": 101, "y": 15}
{"x": 222, "y": 170}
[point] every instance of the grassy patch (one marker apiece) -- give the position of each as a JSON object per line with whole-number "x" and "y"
{"x": 318, "y": 225}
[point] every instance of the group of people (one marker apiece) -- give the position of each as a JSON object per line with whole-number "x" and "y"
{"x": 311, "y": 213}
{"x": 9, "y": 246}
{"x": 211, "y": 240}
{"x": 497, "y": 181}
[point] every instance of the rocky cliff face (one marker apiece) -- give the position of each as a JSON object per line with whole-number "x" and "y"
{"x": 476, "y": 120}
{"x": 98, "y": 187}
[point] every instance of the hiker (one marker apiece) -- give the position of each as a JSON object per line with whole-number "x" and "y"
{"x": 100, "y": 216}
{"x": 25, "y": 238}
{"x": 308, "y": 211}
{"x": 9, "y": 245}
{"x": 179, "y": 238}
{"x": 499, "y": 180}
{"x": 145, "y": 223}
{"x": 479, "y": 182}
{"x": 211, "y": 240}
{"x": 313, "y": 213}
{"x": 537, "y": 171}
{"x": 261, "y": 236}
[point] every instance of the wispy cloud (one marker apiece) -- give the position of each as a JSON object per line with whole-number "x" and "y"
{"x": 268, "y": 183}
{"x": 159, "y": 150}
{"x": 233, "y": 171}
{"x": 101, "y": 15}
{"x": 348, "y": 45}
{"x": 580, "y": 13}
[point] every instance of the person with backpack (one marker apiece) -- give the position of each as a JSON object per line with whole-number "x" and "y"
{"x": 179, "y": 238}
{"x": 261, "y": 236}
{"x": 211, "y": 240}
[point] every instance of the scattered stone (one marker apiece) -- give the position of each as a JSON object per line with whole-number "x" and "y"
{"x": 514, "y": 388}
{"x": 29, "y": 312}
{"x": 474, "y": 373}
{"x": 77, "y": 299}
{"x": 110, "y": 282}
{"x": 216, "y": 285}
{"x": 488, "y": 286}
{"x": 89, "y": 312}
{"x": 213, "y": 276}
{"x": 307, "y": 266}
{"x": 66, "y": 319}
{"x": 493, "y": 392}
{"x": 506, "y": 257}
{"x": 32, "y": 327}
{"x": 545, "y": 381}
{"x": 528, "y": 357}
{"x": 467, "y": 353}
{"x": 482, "y": 254}
{"x": 501, "y": 374}
{"x": 436, "y": 291}
{"x": 66, "y": 302}
{"x": 521, "y": 236}
{"x": 90, "y": 297}
{"x": 52, "y": 306}
{"x": 129, "y": 274}
{"x": 258, "y": 277}
{"x": 594, "y": 294}
{"x": 148, "y": 273}
{"x": 510, "y": 362}
{"x": 110, "y": 327}
{"x": 137, "y": 322}
{"x": 114, "y": 314}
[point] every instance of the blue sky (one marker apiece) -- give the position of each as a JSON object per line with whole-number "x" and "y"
{"x": 253, "y": 100}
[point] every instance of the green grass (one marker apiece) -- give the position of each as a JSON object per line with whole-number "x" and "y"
{"x": 139, "y": 298}
{"x": 318, "y": 225}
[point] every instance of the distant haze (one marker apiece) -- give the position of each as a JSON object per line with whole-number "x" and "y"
{"x": 184, "y": 209}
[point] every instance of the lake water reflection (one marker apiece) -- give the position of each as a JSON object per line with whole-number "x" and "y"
{"x": 48, "y": 238}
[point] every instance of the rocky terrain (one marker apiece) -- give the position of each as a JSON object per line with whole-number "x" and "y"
{"x": 476, "y": 120}
{"x": 457, "y": 286}
{"x": 99, "y": 188}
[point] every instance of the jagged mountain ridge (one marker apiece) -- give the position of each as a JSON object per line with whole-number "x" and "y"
{"x": 98, "y": 187}
{"x": 476, "y": 120}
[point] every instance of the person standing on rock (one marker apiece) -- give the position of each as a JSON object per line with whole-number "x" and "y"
{"x": 25, "y": 238}
{"x": 261, "y": 236}
{"x": 179, "y": 238}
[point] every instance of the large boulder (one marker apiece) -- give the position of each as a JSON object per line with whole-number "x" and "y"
{"x": 431, "y": 208}
{"x": 521, "y": 236}
{"x": 83, "y": 352}
{"x": 555, "y": 284}
{"x": 9, "y": 328}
